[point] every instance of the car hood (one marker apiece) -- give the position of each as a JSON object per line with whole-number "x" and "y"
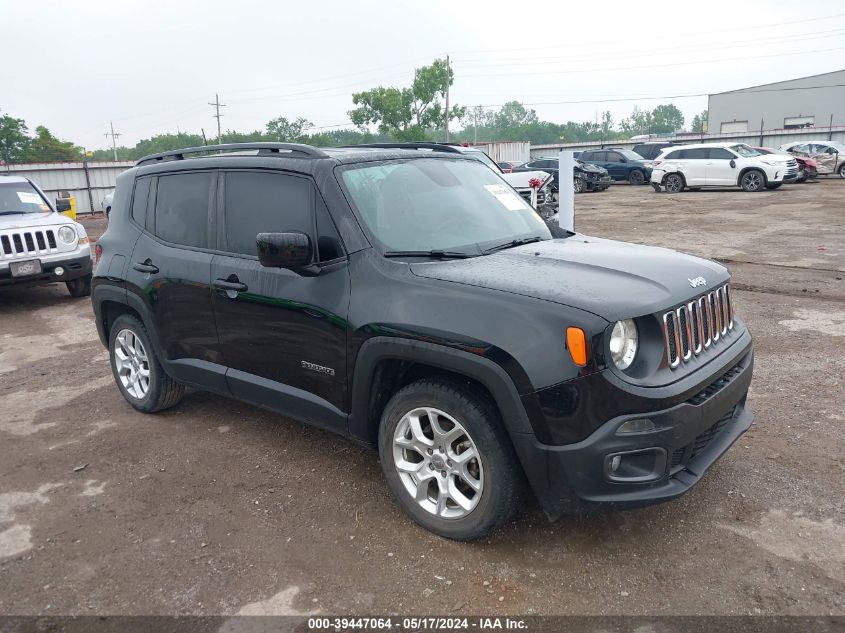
{"x": 520, "y": 179}
{"x": 590, "y": 168}
{"x": 615, "y": 280}
{"x": 33, "y": 220}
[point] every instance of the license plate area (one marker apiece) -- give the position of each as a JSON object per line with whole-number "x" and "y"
{"x": 26, "y": 268}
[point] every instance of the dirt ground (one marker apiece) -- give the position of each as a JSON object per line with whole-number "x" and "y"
{"x": 216, "y": 507}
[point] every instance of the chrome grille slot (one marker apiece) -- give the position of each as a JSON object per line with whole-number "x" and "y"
{"x": 670, "y": 332}
{"x": 695, "y": 327}
{"x": 684, "y": 331}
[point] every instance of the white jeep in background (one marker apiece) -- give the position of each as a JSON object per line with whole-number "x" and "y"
{"x": 38, "y": 244}
{"x": 720, "y": 165}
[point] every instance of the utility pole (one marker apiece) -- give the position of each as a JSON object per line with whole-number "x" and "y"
{"x": 448, "y": 81}
{"x": 114, "y": 136}
{"x": 476, "y": 125}
{"x": 217, "y": 105}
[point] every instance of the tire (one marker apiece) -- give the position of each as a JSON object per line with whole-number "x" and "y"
{"x": 753, "y": 180}
{"x": 79, "y": 287}
{"x": 473, "y": 422}
{"x": 674, "y": 183}
{"x": 579, "y": 185}
{"x": 842, "y": 170}
{"x": 155, "y": 391}
{"x": 636, "y": 177}
{"x": 773, "y": 185}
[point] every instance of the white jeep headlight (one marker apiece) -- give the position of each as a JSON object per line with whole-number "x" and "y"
{"x": 623, "y": 343}
{"x": 67, "y": 234}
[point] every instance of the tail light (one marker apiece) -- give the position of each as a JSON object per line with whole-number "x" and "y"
{"x": 98, "y": 251}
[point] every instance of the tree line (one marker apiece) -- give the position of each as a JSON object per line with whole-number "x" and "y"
{"x": 414, "y": 113}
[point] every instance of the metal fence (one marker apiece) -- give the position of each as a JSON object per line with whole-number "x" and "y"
{"x": 88, "y": 182}
{"x": 760, "y": 138}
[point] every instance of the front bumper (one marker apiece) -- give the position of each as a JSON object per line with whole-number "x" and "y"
{"x": 688, "y": 439}
{"x": 75, "y": 264}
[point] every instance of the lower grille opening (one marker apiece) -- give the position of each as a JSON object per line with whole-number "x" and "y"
{"x": 689, "y": 452}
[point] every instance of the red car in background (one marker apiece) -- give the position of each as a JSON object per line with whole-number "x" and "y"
{"x": 807, "y": 167}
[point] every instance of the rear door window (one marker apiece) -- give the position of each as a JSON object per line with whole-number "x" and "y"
{"x": 182, "y": 208}
{"x": 697, "y": 153}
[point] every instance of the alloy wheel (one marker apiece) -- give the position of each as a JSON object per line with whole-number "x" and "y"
{"x": 132, "y": 363}
{"x": 674, "y": 183}
{"x": 438, "y": 463}
{"x": 578, "y": 185}
{"x": 752, "y": 181}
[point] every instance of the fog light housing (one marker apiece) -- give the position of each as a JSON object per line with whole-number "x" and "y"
{"x": 640, "y": 425}
{"x": 637, "y": 466}
{"x": 58, "y": 271}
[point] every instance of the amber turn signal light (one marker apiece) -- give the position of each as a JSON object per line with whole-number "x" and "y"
{"x": 576, "y": 343}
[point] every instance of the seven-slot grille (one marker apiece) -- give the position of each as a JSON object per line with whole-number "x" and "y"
{"x": 791, "y": 168}
{"x": 18, "y": 243}
{"x": 695, "y": 326}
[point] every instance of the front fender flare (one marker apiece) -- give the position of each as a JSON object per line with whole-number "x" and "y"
{"x": 497, "y": 381}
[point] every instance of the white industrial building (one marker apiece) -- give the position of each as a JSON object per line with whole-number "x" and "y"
{"x": 809, "y": 102}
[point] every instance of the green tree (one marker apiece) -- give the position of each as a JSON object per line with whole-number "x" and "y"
{"x": 47, "y": 148}
{"x": 666, "y": 118}
{"x": 408, "y": 113}
{"x": 638, "y": 123}
{"x": 14, "y": 140}
{"x": 282, "y": 130}
{"x": 699, "y": 122}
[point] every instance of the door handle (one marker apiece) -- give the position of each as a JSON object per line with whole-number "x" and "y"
{"x": 146, "y": 266}
{"x": 230, "y": 284}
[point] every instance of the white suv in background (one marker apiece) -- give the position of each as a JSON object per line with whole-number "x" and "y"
{"x": 720, "y": 165}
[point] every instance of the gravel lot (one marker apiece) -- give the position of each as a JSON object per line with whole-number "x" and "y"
{"x": 216, "y": 507}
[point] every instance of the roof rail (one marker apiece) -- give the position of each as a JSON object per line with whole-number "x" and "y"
{"x": 263, "y": 150}
{"x": 440, "y": 147}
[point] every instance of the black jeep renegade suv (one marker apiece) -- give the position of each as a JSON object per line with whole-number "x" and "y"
{"x": 415, "y": 302}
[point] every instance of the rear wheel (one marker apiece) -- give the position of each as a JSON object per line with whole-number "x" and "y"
{"x": 842, "y": 170}
{"x": 447, "y": 459}
{"x": 636, "y": 177}
{"x": 79, "y": 287}
{"x": 753, "y": 180}
{"x": 674, "y": 183}
{"x": 136, "y": 369}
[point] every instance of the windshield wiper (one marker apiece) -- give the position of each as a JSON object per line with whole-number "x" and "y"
{"x": 511, "y": 244}
{"x": 436, "y": 253}
{"x": 14, "y": 212}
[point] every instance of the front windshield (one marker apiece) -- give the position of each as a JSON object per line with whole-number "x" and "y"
{"x": 439, "y": 204}
{"x": 20, "y": 197}
{"x": 629, "y": 154}
{"x": 745, "y": 151}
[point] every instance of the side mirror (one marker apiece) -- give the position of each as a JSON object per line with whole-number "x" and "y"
{"x": 62, "y": 205}
{"x": 293, "y": 250}
{"x": 733, "y": 163}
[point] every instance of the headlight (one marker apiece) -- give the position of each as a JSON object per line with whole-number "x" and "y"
{"x": 623, "y": 343}
{"x": 67, "y": 234}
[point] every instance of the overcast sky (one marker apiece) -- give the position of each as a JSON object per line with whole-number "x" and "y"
{"x": 153, "y": 66}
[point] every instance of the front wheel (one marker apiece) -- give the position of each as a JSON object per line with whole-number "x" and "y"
{"x": 753, "y": 180}
{"x": 79, "y": 287}
{"x": 578, "y": 185}
{"x": 447, "y": 459}
{"x": 842, "y": 170}
{"x": 636, "y": 177}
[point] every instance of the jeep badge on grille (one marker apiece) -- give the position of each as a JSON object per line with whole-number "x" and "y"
{"x": 698, "y": 281}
